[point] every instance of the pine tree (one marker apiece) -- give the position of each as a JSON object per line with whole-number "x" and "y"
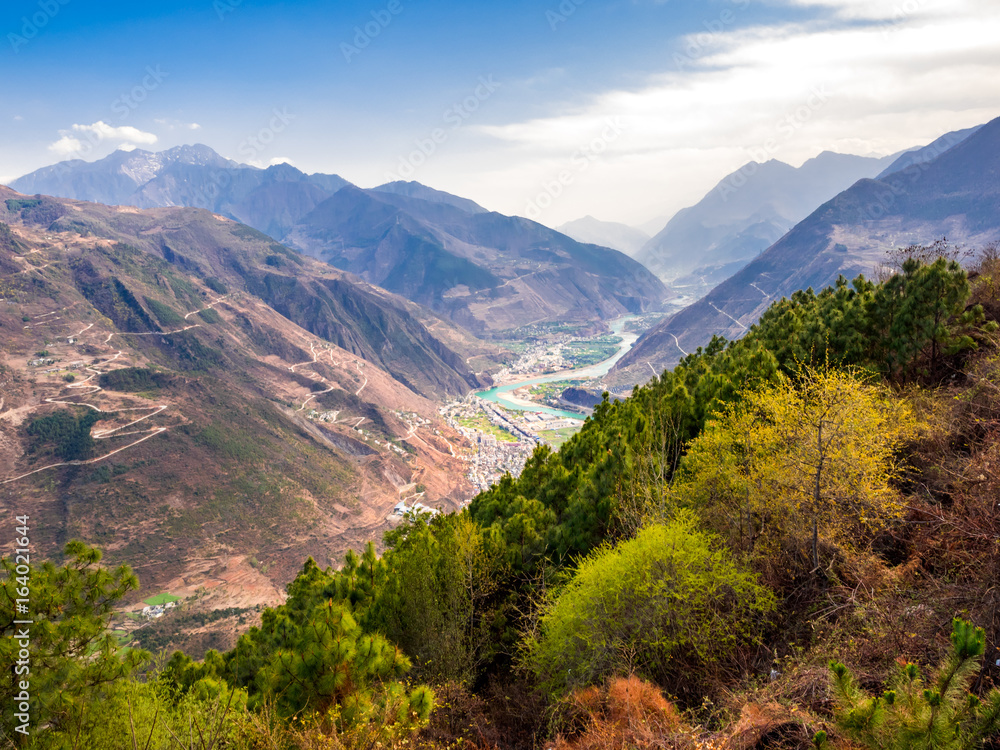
{"x": 918, "y": 713}
{"x": 73, "y": 655}
{"x": 335, "y": 670}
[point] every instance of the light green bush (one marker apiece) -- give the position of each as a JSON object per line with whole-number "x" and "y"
{"x": 673, "y": 591}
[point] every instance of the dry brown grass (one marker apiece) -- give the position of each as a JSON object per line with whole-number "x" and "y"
{"x": 625, "y": 713}
{"x": 769, "y": 725}
{"x": 629, "y": 713}
{"x": 264, "y": 730}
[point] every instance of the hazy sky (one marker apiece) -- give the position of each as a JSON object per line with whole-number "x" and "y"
{"x": 622, "y": 109}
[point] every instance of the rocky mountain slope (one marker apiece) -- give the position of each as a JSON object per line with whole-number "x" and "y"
{"x": 955, "y": 194}
{"x": 483, "y": 270}
{"x": 205, "y": 404}
{"x": 745, "y": 213}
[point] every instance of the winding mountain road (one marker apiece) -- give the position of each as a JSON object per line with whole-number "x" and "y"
{"x": 93, "y": 389}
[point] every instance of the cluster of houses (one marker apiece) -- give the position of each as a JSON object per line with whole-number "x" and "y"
{"x": 545, "y": 421}
{"x": 156, "y": 610}
{"x": 418, "y": 507}
{"x": 499, "y": 419}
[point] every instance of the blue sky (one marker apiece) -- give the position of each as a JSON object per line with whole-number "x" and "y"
{"x": 623, "y": 109}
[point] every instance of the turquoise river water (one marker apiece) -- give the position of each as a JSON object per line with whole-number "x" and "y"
{"x": 497, "y": 395}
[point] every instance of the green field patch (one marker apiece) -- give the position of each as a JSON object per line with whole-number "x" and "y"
{"x": 591, "y": 351}
{"x": 209, "y": 315}
{"x": 133, "y": 379}
{"x": 19, "y": 204}
{"x": 543, "y": 391}
{"x": 481, "y": 423}
{"x": 215, "y": 285}
{"x": 161, "y": 599}
{"x": 65, "y": 432}
{"x": 164, "y": 313}
{"x": 556, "y": 438}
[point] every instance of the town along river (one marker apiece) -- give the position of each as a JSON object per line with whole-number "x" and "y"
{"x": 498, "y": 395}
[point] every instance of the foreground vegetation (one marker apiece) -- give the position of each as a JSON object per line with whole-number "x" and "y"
{"x": 769, "y": 546}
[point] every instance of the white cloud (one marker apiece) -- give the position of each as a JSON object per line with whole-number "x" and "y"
{"x": 175, "y": 124}
{"x": 81, "y": 139}
{"x": 261, "y": 164}
{"x": 104, "y": 132}
{"x": 65, "y": 146}
{"x": 18, "y": 118}
{"x": 784, "y": 91}
{"x": 894, "y": 10}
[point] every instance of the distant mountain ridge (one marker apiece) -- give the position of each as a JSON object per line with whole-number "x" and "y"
{"x": 270, "y": 200}
{"x": 115, "y": 178}
{"x": 955, "y": 194}
{"x": 483, "y": 270}
{"x": 621, "y": 237}
{"x": 745, "y": 213}
{"x": 931, "y": 151}
{"x": 416, "y": 190}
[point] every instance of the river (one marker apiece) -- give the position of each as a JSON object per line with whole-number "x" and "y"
{"x": 496, "y": 395}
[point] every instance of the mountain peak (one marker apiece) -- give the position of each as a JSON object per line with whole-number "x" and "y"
{"x": 141, "y": 166}
{"x": 284, "y": 170}
{"x": 949, "y": 190}
{"x": 621, "y": 237}
{"x": 422, "y": 192}
{"x": 198, "y": 154}
{"x": 270, "y": 200}
{"x": 747, "y": 211}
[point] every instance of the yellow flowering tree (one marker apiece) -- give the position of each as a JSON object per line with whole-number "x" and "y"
{"x": 803, "y": 460}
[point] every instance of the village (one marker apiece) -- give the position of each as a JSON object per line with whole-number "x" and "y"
{"x": 503, "y": 439}
{"x": 540, "y": 358}
{"x": 153, "y": 611}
